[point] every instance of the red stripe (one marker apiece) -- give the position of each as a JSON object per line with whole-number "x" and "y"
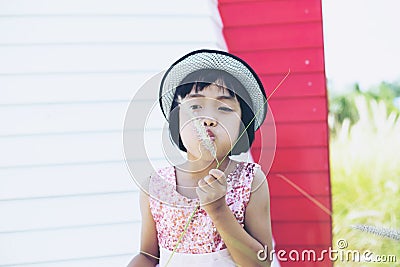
{"x": 279, "y": 61}
{"x": 314, "y": 183}
{"x": 299, "y": 209}
{"x": 298, "y": 35}
{"x": 300, "y": 159}
{"x": 240, "y": 13}
{"x": 302, "y": 233}
{"x": 291, "y": 135}
{"x": 298, "y": 109}
{"x": 296, "y": 85}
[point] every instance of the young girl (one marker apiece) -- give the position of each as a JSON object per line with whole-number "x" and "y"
{"x": 210, "y": 210}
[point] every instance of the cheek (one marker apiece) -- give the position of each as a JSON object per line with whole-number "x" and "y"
{"x": 186, "y": 130}
{"x": 231, "y": 129}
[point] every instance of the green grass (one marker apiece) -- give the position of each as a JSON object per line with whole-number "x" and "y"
{"x": 365, "y": 175}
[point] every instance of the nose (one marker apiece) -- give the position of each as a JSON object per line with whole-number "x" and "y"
{"x": 209, "y": 122}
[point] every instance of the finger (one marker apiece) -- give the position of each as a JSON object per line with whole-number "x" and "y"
{"x": 218, "y": 175}
{"x": 200, "y": 193}
{"x": 202, "y": 185}
{"x": 209, "y": 179}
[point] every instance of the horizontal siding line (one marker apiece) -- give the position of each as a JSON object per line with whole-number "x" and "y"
{"x": 309, "y": 97}
{"x": 68, "y": 227}
{"x": 284, "y": 72}
{"x": 82, "y": 102}
{"x": 28, "y": 166}
{"x": 295, "y": 122}
{"x": 301, "y": 147}
{"x": 272, "y": 24}
{"x": 107, "y": 43}
{"x": 296, "y": 172}
{"x": 255, "y": 51}
{"x": 269, "y": 174}
{"x": 69, "y": 260}
{"x": 130, "y": 72}
{"x": 241, "y": 2}
{"x": 276, "y": 97}
{"x": 298, "y": 121}
{"x": 92, "y": 15}
{"x": 301, "y": 196}
{"x": 299, "y": 172}
{"x": 71, "y": 195}
{"x": 310, "y": 72}
{"x": 301, "y": 221}
{"x": 320, "y": 72}
{"x": 78, "y": 132}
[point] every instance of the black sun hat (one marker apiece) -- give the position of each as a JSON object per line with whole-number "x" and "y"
{"x": 218, "y": 60}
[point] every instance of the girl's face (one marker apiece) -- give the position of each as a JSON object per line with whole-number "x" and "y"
{"x": 218, "y": 112}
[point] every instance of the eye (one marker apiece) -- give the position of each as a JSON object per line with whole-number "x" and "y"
{"x": 194, "y": 107}
{"x": 227, "y": 109}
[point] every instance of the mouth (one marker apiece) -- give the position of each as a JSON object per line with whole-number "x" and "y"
{"x": 210, "y": 134}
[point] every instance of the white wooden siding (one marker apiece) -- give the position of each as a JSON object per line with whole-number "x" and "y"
{"x": 68, "y": 70}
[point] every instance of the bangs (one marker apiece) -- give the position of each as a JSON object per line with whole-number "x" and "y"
{"x": 199, "y": 80}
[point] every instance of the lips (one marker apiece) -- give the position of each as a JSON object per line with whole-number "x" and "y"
{"x": 210, "y": 134}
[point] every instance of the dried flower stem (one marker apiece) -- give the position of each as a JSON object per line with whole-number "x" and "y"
{"x": 381, "y": 231}
{"x": 201, "y": 132}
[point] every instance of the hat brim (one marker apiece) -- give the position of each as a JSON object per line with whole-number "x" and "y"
{"x": 218, "y": 60}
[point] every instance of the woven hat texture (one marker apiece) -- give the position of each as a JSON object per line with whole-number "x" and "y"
{"x": 219, "y": 60}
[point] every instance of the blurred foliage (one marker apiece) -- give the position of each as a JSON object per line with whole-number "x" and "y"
{"x": 342, "y": 106}
{"x": 365, "y": 168}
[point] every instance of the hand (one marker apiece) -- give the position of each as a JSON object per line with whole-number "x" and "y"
{"x": 212, "y": 191}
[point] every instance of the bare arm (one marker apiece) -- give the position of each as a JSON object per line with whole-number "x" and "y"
{"x": 149, "y": 242}
{"x": 244, "y": 244}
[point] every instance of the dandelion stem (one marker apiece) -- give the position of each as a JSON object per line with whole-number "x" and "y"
{"x": 182, "y": 234}
{"x": 384, "y": 232}
{"x": 304, "y": 193}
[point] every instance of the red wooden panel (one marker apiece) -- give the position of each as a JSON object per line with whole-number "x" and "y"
{"x": 238, "y": 13}
{"x": 298, "y": 35}
{"x": 302, "y": 134}
{"x": 313, "y": 183}
{"x": 302, "y": 233}
{"x": 299, "y": 209}
{"x": 280, "y": 61}
{"x": 288, "y": 135}
{"x": 299, "y": 159}
{"x": 298, "y": 255}
{"x": 296, "y": 85}
{"x": 299, "y": 109}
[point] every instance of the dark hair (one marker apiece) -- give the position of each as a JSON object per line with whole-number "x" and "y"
{"x": 199, "y": 80}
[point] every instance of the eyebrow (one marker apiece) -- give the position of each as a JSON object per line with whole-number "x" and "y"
{"x": 222, "y": 97}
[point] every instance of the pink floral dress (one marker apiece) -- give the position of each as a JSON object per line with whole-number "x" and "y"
{"x": 201, "y": 245}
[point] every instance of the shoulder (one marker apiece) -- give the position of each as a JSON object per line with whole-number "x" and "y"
{"x": 166, "y": 174}
{"x": 161, "y": 184}
{"x": 259, "y": 178}
{"x": 252, "y": 172}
